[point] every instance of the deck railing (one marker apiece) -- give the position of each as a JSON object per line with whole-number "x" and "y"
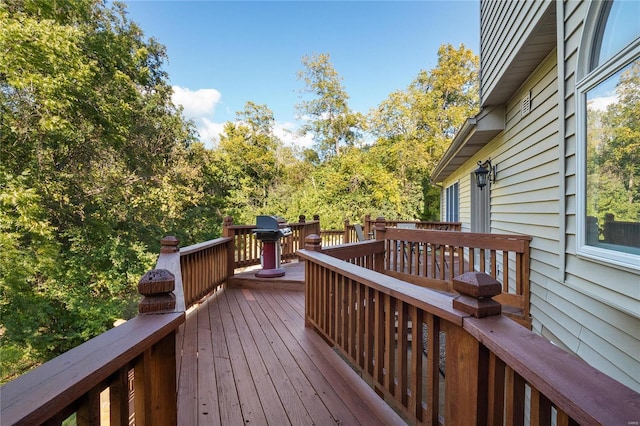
{"x": 469, "y": 370}
{"x": 369, "y": 225}
{"x": 439, "y": 364}
{"x": 432, "y": 259}
{"x": 205, "y": 267}
{"x": 132, "y": 366}
{"x": 247, "y": 248}
{"x": 332, "y": 237}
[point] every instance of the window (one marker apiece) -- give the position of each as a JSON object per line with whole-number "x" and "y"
{"x": 452, "y": 195}
{"x": 609, "y": 138}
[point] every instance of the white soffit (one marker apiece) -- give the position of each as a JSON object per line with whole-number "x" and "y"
{"x": 475, "y": 133}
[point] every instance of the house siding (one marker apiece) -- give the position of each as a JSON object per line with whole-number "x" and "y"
{"x": 603, "y": 300}
{"x": 584, "y": 306}
{"x": 504, "y": 28}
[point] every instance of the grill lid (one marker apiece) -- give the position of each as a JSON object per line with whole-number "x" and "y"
{"x": 267, "y": 222}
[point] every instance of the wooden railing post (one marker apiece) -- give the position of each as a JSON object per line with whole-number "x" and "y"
{"x": 380, "y": 231}
{"x": 476, "y": 291}
{"x": 303, "y": 232}
{"x": 169, "y": 244}
{"x": 156, "y": 392}
{"x": 346, "y": 238}
{"x": 227, "y": 223}
{"x": 156, "y": 287}
{"x": 466, "y": 384}
{"x": 366, "y": 223}
{"x": 228, "y": 232}
{"x": 312, "y": 243}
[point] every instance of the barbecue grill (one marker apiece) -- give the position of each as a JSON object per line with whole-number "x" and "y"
{"x": 269, "y": 231}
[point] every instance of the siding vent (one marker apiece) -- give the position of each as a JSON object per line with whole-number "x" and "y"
{"x": 525, "y": 107}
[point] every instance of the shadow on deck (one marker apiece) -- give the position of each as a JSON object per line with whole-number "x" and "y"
{"x": 247, "y": 358}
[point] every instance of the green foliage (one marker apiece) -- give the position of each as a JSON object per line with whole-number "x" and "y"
{"x": 98, "y": 165}
{"x": 328, "y": 116}
{"x": 414, "y": 127}
{"x": 613, "y": 153}
{"x": 247, "y": 158}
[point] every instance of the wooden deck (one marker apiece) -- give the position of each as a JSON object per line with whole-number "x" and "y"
{"x": 247, "y": 358}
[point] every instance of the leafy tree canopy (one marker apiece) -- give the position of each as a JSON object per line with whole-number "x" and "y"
{"x": 98, "y": 165}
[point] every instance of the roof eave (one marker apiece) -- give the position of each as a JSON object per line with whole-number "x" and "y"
{"x": 475, "y": 133}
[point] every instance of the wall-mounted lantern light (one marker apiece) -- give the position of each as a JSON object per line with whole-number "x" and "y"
{"x": 485, "y": 173}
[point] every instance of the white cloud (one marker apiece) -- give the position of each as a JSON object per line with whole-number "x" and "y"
{"x": 209, "y": 131}
{"x": 286, "y": 132}
{"x": 200, "y": 106}
{"x": 601, "y": 103}
{"x": 197, "y": 103}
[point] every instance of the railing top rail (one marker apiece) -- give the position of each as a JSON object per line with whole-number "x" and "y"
{"x": 241, "y": 226}
{"x": 34, "y": 396}
{"x": 350, "y": 250}
{"x": 204, "y": 245}
{"x": 309, "y": 222}
{"x": 423, "y": 298}
{"x": 505, "y": 242}
{"x": 567, "y": 381}
{"x": 424, "y": 222}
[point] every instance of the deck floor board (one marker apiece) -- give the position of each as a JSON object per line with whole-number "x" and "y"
{"x": 328, "y": 380}
{"x": 315, "y": 396}
{"x": 279, "y": 386}
{"x": 207, "y": 408}
{"x": 247, "y": 358}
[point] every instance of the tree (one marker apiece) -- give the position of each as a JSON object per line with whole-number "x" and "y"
{"x": 613, "y": 152}
{"x": 247, "y": 154}
{"x": 328, "y": 116}
{"x": 97, "y": 165}
{"x": 413, "y": 127}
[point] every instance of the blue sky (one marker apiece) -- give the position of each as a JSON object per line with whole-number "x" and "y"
{"x": 223, "y": 53}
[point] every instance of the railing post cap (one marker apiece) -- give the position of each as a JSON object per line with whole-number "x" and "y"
{"x": 157, "y": 281}
{"x": 156, "y": 287}
{"x": 302, "y": 218}
{"x": 169, "y": 244}
{"x": 313, "y": 242}
{"x": 477, "y": 285}
{"x": 476, "y": 290}
{"x": 227, "y": 221}
{"x": 316, "y": 217}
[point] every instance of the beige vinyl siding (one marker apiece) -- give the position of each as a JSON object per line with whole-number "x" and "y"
{"x": 594, "y": 310}
{"x": 525, "y": 197}
{"x": 504, "y": 28}
{"x": 587, "y": 307}
{"x": 465, "y": 202}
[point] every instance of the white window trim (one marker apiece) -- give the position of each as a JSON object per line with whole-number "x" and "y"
{"x": 592, "y": 79}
